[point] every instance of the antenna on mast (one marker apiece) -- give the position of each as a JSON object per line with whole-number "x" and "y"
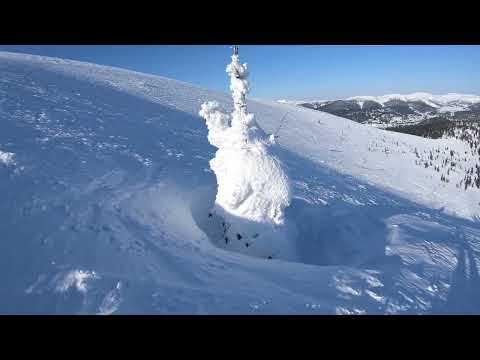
{"x": 235, "y": 50}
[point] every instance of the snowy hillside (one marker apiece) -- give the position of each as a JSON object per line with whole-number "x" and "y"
{"x": 106, "y": 190}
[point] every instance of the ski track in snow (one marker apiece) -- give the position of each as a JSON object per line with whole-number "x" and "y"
{"x": 104, "y": 209}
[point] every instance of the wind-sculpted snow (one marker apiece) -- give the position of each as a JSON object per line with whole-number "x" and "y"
{"x": 105, "y": 206}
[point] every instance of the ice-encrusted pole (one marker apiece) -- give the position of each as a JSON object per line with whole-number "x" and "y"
{"x": 238, "y": 81}
{"x": 240, "y": 119}
{"x": 253, "y": 189}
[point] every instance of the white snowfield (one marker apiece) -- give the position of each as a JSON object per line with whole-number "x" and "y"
{"x": 105, "y": 209}
{"x": 296, "y": 102}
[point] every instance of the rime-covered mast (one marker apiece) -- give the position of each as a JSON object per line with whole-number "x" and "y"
{"x": 238, "y": 81}
{"x": 246, "y": 129}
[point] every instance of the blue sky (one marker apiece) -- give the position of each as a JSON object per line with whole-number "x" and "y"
{"x": 296, "y": 72}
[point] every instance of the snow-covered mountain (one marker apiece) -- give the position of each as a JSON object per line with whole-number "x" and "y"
{"x": 397, "y": 110}
{"x": 106, "y": 190}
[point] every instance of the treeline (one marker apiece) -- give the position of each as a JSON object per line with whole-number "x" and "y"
{"x": 433, "y": 128}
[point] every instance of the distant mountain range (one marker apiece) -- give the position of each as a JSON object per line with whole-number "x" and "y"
{"x": 398, "y": 110}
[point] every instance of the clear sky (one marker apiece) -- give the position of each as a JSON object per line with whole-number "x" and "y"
{"x": 296, "y": 72}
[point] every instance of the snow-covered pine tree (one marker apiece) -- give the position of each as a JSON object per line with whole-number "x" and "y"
{"x": 253, "y": 190}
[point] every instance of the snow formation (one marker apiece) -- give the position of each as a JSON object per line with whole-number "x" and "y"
{"x": 253, "y": 189}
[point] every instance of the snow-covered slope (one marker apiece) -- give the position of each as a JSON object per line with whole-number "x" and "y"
{"x": 106, "y": 190}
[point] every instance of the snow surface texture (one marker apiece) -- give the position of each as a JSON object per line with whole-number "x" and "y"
{"x": 112, "y": 183}
{"x": 253, "y": 190}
